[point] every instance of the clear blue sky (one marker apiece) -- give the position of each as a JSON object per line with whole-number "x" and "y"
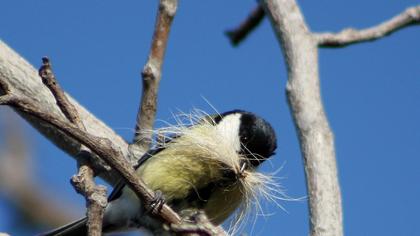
{"x": 371, "y": 93}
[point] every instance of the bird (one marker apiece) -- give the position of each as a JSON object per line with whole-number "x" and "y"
{"x": 209, "y": 165}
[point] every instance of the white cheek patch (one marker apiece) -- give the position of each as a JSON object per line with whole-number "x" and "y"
{"x": 228, "y": 129}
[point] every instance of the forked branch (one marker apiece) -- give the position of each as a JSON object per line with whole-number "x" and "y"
{"x": 24, "y": 80}
{"x": 100, "y": 146}
{"x": 315, "y": 135}
{"x": 83, "y": 182}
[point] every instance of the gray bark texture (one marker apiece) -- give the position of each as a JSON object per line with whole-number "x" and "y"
{"x": 23, "y": 78}
{"x": 316, "y": 138}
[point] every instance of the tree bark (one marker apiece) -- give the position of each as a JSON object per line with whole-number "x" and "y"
{"x": 24, "y": 79}
{"x": 304, "y": 96}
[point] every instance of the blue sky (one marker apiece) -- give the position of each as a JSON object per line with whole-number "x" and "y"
{"x": 370, "y": 92}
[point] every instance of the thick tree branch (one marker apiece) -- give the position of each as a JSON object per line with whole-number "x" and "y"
{"x": 304, "y": 96}
{"x": 24, "y": 80}
{"x": 346, "y": 37}
{"x": 151, "y": 75}
{"x": 238, "y": 34}
{"x": 83, "y": 182}
{"x": 100, "y": 146}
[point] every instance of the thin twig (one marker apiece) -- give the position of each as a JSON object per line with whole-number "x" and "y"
{"x": 49, "y": 80}
{"x": 410, "y": 16}
{"x": 83, "y": 182}
{"x": 100, "y": 146}
{"x": 238, "y": 34}
{"x": 151, "y": 75}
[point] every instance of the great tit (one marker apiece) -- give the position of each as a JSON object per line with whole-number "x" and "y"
{"x": 208, "y": 166}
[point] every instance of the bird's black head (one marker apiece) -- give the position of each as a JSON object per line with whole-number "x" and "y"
{"x": 257, "y": 137}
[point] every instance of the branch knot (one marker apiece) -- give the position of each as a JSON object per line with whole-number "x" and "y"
{"x": 169, "y": 6}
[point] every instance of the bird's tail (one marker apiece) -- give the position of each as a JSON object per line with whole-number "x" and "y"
{"x": 76, "y": 228}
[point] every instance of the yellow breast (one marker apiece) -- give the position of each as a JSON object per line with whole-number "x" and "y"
{"x": 179, "y": 175}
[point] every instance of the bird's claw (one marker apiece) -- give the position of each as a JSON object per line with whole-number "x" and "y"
{"x": 157, "y": 202}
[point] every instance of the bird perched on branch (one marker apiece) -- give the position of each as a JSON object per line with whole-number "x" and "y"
{"x": 209, "y": 165}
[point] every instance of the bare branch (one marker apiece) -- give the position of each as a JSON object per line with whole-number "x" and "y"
{"x": 96, "y": 199}
{"x": 23, "y": 79}
{"x": 100, "y": 146}
{"x": 4, "y": 88}
{"x": 197, "y": 224}
{"x": 49, "y": 80}
{"x": 304, "y": 96}
{"x": 151, "y": 75}
{"x": 238, "y": 34}
{"x": 346, "y": 37}
{"x": 83, "y": 182}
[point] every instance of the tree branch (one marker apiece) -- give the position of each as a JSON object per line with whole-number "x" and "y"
{"x": 49, "y": 80}
{"x": 197, "y": 223}
{"x": 151, "y": 75}
{"x": 95, "y": 196}
{"x": 304, "y": 96}
{"x": 100, "y": 146}
{"x": 23, "y": 79}
{"x": 346, "y": 37}
{"x": 238, "y": 34}
{"x": 83, "y": 182}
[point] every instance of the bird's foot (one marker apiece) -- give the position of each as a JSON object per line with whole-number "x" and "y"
{"x": 157, "y": 203}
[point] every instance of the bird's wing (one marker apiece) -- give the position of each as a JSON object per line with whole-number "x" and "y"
{"x": 117, "y": 191}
